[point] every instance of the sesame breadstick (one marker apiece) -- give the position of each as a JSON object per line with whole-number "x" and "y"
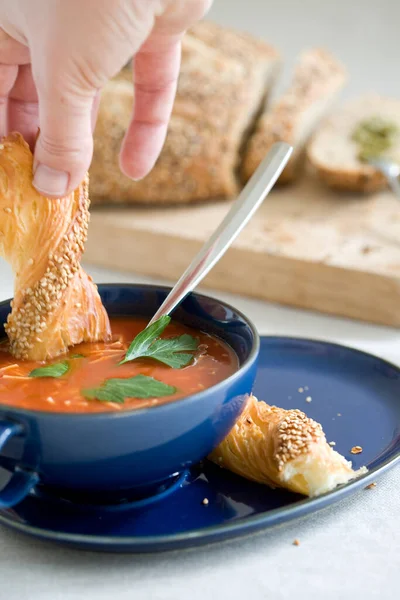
{"x": 283, "y": 448}
{"x": 56, "y": 304}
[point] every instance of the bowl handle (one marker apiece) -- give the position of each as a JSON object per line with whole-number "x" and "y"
{"x": 21, "y": 481}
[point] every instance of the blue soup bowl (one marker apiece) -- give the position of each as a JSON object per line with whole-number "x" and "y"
{"x": 105, "y": 458}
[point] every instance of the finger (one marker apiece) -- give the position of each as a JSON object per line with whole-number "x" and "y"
{"x": 11, "y": 51}
{"x": 95, "y": 110}
{"x": 156, "y": 70}
{"x": 12, "y": 54}
{"x": 182, "y": 14}
{"x": 63, "y": 151}
{"x": 23, "y": 110}
{"x": 8, "y": 76}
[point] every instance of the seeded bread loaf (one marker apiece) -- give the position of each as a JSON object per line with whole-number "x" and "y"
{"x": 223, "y": 82}
{"x": 335, "y": 154}
{"x": 317, "y": 80}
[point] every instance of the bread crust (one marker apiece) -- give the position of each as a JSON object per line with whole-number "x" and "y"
{"x": 340, "y": 168}
{"x": 317, "y": 79}
{"x": 366, "y": 181}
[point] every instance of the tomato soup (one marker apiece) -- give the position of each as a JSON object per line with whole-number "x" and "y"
{"x": 91, "y": 365}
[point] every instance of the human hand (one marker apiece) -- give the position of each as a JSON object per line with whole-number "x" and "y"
{"x": 55, "y": 57}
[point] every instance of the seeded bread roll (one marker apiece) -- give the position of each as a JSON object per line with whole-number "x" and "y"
{"x": 317, "y": 80}
{"x": 220, "y": 90}
{"x": 283, "y": 448}
{"x": 335, "y": 154}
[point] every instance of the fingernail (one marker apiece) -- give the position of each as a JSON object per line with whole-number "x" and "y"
{"x": 50, "y": 182}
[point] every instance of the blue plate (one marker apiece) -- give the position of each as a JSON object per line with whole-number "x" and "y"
{"x": 354, "y": 395}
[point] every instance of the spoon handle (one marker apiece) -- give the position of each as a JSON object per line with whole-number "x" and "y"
{"x": 241, "y": 212}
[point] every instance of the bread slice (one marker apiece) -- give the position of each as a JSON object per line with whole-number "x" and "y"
{"x": 317, "y": 80}
{"x": 335, "y": 155}
{"x": 219, "y": 93}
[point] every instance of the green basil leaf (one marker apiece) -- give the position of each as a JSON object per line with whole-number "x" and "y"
{"x": 145, "y": 338}
{"x": 54, "y": 370}
{"x": 140, "y": 386}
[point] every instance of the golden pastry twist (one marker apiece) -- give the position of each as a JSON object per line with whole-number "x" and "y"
{"x": 282, "y": 448}
{"x": 56, "y": 305}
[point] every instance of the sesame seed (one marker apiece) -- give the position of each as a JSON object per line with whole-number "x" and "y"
{"x": 30, "y": 319}
{"x": 295, "y": 434}
{"x": 301, "y": 390}
{"x": 7, "y": 210}
{"x": 205, "y": 501}
{"x": 308, "y": 399}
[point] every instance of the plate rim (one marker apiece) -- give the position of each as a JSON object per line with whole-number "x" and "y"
{"x": 215, "y": 533}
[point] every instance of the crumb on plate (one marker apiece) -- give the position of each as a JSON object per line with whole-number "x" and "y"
{"x": 205, "y": 501}
{"x": 356, "y": 450}
{"x": 296, "y": 542}
{"x": 308, "y": 399}
{"x": 370, "y": 486}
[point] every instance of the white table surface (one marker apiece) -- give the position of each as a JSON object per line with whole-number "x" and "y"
{"x": 349, "y": 551}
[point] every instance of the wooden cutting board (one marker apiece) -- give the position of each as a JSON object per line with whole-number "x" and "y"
{"x": 306, "y": 247}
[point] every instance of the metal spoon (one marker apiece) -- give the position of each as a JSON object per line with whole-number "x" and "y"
{"x": 390, "y": 169}
{"x": 241, "y": 212}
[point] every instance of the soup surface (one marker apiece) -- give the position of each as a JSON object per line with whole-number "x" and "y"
{"x": 90, "y": 365}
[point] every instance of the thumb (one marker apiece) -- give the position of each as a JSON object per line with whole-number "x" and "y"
{"x": 64, "y": 147}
